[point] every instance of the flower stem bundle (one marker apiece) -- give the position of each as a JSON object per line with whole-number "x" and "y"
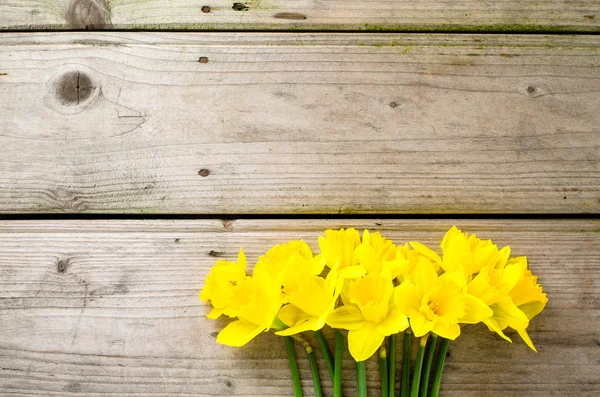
{"x": 369, "y": 289}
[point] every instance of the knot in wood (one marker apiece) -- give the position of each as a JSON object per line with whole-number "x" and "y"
{"x": 73, "y": 88}
{"x": 88, "y": 14}
{"x": 62, "y": 265}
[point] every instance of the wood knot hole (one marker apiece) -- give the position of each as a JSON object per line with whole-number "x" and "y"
{"x": 74, "y": 88}
{"x": 203, "y": 60}
{"x": 240, "y": 7}
{"x": 62, "y": 265}
{"x": 88, "y": 14}
{"x": 393, "y": 104}
{"x": 204, "y": 172}
{"x": 206, "y": 9}
{"x": 531, "y": 89}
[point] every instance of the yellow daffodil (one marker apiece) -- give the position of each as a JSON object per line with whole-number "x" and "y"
{"x": 310, "y": 302}
{"x": 522, "y": 300}
{"x": 221, "y": 284}
{"x": 438, "y": 303}
{"x": 469, "y": 254}
{"x": 370, "y": 315}
{"x": 259, "y": 300}
{"x": 373, "y": 252}
{"x": 337, "y": 248}
{"x": 277, "y": 259}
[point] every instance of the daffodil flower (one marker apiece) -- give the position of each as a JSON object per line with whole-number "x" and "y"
{"x": 524, "y": 300}
{"x": 470, "y": 254}
{"x": 311, "y": 301}
{"x": 277, "y": 259}
{"x": 259, "y": 299}
{"x": 221, "y": 284}
{"x": 373, "y": 252}
{"x": 438, "y": 303}
{"x": 337, "y": 248}
{"x": 369, "y": 317}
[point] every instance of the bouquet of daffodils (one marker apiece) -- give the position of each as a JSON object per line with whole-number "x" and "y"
{"x": 368, "y": 289}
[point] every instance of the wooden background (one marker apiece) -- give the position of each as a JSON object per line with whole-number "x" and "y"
{"x": 365, "y": 113}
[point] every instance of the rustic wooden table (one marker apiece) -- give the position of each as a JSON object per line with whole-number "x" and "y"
{"x": 172, "y": 132}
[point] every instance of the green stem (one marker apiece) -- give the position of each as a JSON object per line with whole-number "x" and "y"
{"x": 414, "y": 392}
{"x": 405, "y": 386}
{"x": 326, "y": 353}
{"x": 437, "y": 379}
{"x": 383, "y": 370}
{"x": 293, "y": 366}
{"x": 428, "y": 361}
{"x": 339, "y": 354}
{"x": 361, "y": 379}
{"x": 314, "y": 370}
{"x": 392, "y": 366}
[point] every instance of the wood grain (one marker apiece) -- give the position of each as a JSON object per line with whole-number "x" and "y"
{"x": 299, "y": 123}
{"x": 409, "y": 15}
{"x": 101, "y": 308}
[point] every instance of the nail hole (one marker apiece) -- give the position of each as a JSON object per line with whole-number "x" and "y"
{"x": 530, "y": 89}
{"x": 204, "y": 172}
{"x": 203, "y": 60}
{"x": 206, "y": 9}
{"x": 177, "y": 240}
{"x": 393, "y": 104}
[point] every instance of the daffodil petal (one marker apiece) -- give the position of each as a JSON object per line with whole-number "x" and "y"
{"x": 512, "y": 274}
{"x": 475, "y": 310}
{"x": 405, "y": 296}
{"x": 525, "y": 336}
{"x": 395, "y": 322}
{"x": 214, "y": 313}
{"x": 346, "y": 317}
{"x": 238, "y": 333}
{"x": 492, "y": 324}
{"x": 291, "y": 315}
{"x": 426, "y": 276}
{"x": 364, "y": 342}
{"x": 426, "y": 252}
{"x": 311, "y": 324}
{"x": 532, "y": 309}
{"x": 419, "y": 324}
{"x": 451, "y": 331}
{"x": 352, "y": 272}
{"x": 511, "y": 315}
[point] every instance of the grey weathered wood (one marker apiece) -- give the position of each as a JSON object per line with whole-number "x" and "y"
{"x": 123, "y": 318}
{"x": 473, "y": 15}
{"x": 279, "y": 123}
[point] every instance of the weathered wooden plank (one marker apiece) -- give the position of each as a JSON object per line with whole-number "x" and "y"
{"x": 102, "y": 308}
{"x": 410, "y": 15}
{"x": 279, "y": 123}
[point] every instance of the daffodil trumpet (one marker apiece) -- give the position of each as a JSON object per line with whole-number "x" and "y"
{"x": 373, "y": 289}
{"x": 429, "y": 352}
